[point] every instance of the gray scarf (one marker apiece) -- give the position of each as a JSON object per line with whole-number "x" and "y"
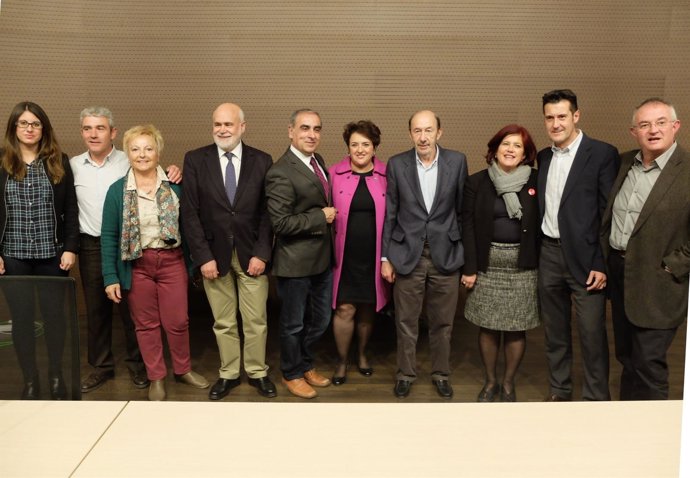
{"x": 508, "y": 185}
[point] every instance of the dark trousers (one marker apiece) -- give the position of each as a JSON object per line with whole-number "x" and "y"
{"x": 99, "y": 313}
{"x": 410, "y": 291}
{"x": 641, "y": 351}
{"x": 21, "y": 301}
{"x": 558, "y": 290}
{"x": 304, "y": 317}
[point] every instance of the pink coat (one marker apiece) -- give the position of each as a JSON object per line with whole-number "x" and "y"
{"x": 343, "y": 187}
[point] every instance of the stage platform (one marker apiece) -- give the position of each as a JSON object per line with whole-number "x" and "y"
{"x": 197, "y": 439}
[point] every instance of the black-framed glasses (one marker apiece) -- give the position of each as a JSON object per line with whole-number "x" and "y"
{"x": 23, "y": 124}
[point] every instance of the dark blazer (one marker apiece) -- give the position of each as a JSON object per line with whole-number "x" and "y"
{"x": 653, "y": 297}
{"x": 478, "y": 222}
{"x": 64, "y": 205}
{"x": 407, "y": 221}
{"x": 304, "y": 244}
{"x": 212, "y": 226}
{"x": 582, "y": 204}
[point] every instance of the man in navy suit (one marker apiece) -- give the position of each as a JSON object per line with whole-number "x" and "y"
{"x": 421, "y": 251}
{"x": 228, "y": 231}
{"x": 575, "y": 177}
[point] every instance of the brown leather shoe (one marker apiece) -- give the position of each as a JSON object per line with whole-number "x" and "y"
{"x": 192, "y": 378}
{"x": 299, "y": 388}
{"x": 315, "y": 379}
{"x": 157, "y": 390}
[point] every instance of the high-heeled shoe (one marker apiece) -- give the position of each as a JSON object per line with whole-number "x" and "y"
{"x": 56, "y": 384}
{"x": 366, "y": 371}
{"x": 507, "y": 396}
{"x": 335, "y": 380}
{"x": 488, "y": 394}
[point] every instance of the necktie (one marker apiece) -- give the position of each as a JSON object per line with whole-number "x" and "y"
{"x": 230, "y": 179}
{"x": 314, "y": 165}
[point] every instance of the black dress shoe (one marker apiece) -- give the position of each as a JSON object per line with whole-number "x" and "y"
{"x": 96, "y": 380}
{"x": 264, "y": 386}
{"x": 139, "y": 378}
{"x": 367, "y": 372}
{"x": 32, "y": 389}
{"x": 339, "y": 380}
{"x": 56, "y": 384}
{"x": 556, "y": 398}
{"x": 222, "y": 387}
{"x": 402, "y": 388}
{"x": 443, "y": 388}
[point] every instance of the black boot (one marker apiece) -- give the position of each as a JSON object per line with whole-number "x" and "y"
{"x": 56, "y": 384}
{"x": 32, "y": 389}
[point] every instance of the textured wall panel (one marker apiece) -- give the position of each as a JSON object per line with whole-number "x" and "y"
{"x": 479, "y": 65}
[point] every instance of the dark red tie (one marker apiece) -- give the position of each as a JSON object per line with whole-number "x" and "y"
{"x": 315, "y": 166}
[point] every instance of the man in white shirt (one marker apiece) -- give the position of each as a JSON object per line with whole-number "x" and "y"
{"x": 228, "y": 232}
{"x": 575, "y": 177}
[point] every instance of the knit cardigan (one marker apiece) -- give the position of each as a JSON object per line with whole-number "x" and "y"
{"x": 115, "y": 270}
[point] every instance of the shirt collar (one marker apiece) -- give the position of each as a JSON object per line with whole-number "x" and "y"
{"x": 661, "y": 160}
{"x": 304, "y": 157}
{"x": 236, "y": 151}
{"x": 160, "y": 177}
{"x": 571, "y": 147}
{"x": 420, "y": 163}
{"x": 87, "y": 157}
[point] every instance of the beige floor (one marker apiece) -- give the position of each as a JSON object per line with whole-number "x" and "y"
{"x": 190, "y": 439}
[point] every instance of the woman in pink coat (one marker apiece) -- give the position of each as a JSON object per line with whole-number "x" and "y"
{"x": 358, "y": 184}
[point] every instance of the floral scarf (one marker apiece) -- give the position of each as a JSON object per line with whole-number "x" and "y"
{"x": 168, "y": 219}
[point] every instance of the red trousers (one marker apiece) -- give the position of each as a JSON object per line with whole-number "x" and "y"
{"x": 158, "y": 298}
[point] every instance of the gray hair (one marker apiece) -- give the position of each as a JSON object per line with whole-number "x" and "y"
{"x": 296, "y": 113}
{"x": 100, "y": 111}
{"x": 655, "y": 99}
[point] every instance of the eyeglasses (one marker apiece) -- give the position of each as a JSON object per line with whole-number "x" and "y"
{"x": 660, "y": 124}
{"x": 23, "y": 124}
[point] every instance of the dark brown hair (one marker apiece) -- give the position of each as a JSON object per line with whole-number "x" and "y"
{"x": 365, "y": 128}
{"x": 527, "y": 143}
{"x": 48, "y": 148}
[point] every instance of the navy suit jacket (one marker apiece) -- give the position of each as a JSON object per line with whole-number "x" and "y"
{"x": 408, "y": 223}
{"x": 583, "y": 202}
{"x": 212, "y": 226}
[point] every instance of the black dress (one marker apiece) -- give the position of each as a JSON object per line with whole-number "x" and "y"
{"x": 357, "y": 276}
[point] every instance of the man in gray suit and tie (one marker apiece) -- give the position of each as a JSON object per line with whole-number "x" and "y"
{"x": 646, "y": 237}
{"x": 298, "y": 193}
{"x": 422, "y": 253}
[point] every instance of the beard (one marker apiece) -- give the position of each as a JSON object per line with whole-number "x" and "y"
{"x": 227, "y": 144}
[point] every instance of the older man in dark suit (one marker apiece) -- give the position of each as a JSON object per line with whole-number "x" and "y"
{"x": 422, "y": 251}
{"x": 298, "y": 203}
{"x": 228, "y": 231}
{"x": 575, "y": 178}
{"x": 646, "y": 235}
